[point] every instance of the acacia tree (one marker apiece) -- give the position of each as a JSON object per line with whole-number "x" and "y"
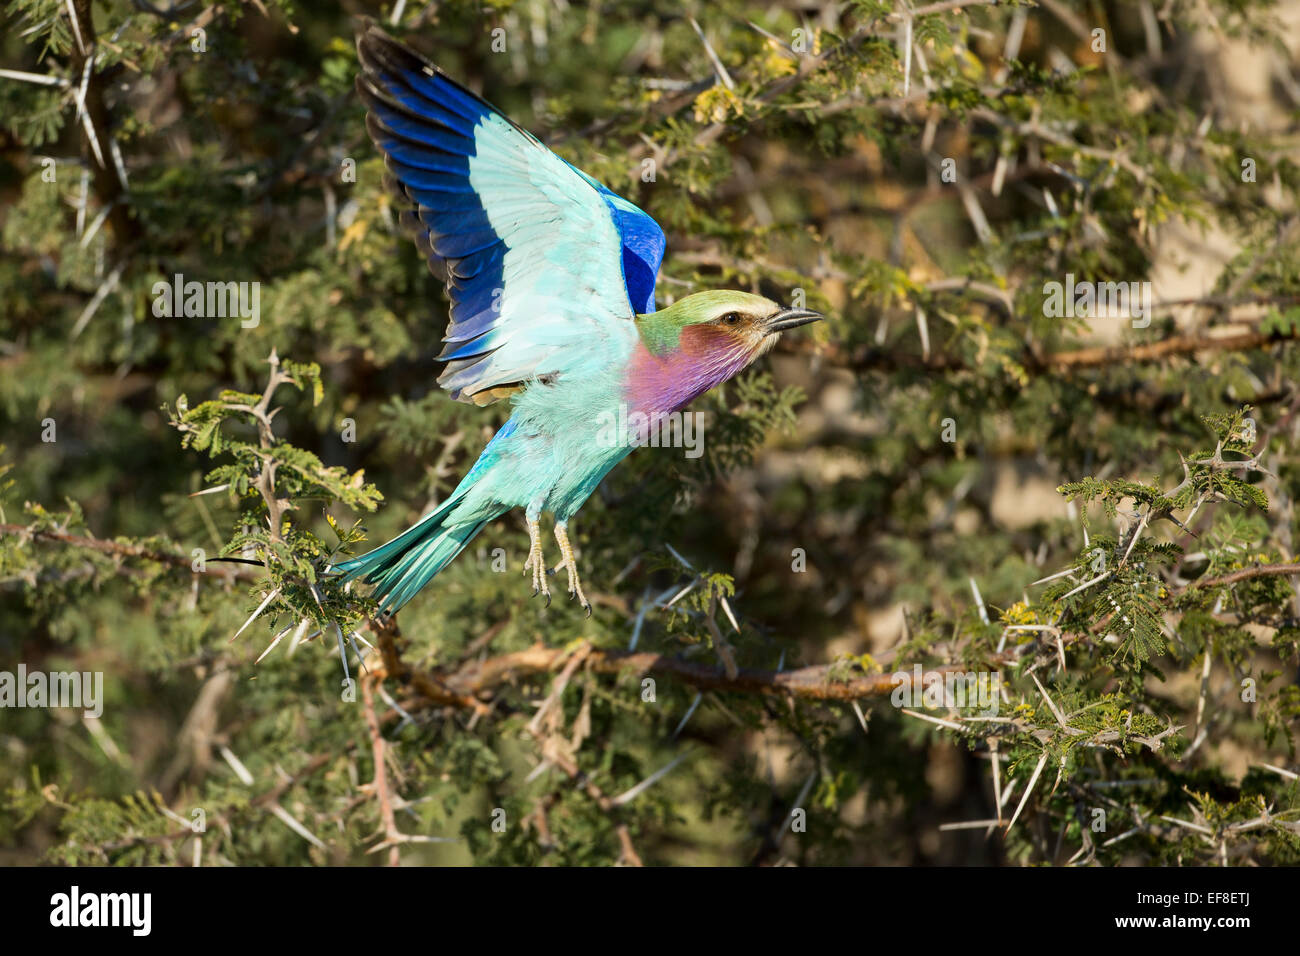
{"x": 1057, "y": 243}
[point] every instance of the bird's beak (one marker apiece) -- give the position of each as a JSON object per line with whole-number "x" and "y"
{"x": 790, "y": 319}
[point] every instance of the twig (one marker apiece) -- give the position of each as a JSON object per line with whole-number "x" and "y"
{"x": 392, "y": 835}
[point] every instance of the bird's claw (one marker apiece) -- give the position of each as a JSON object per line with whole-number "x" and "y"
{"x": 582, "y": 599}
{"x": 536, "y": 564}
{"x": 568, "y": 562}
{"x": 540, "y": 587}
{"x": 575, "y": 584}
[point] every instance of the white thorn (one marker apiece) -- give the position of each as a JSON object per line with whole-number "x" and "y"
{"x": 1028, "y": 790}
{"x": 260, "y": 608}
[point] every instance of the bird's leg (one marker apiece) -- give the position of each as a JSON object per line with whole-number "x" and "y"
{"x": 535, "y": 562}
{"x": 570, "y": 564}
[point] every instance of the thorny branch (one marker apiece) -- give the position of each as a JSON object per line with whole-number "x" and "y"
{"x": 97, "y": 124}
{"x": 1226, "y": 338}
{"x": 123, "y": 550}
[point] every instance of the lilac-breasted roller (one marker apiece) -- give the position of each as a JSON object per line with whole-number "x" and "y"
{"x": 551, "y": 278}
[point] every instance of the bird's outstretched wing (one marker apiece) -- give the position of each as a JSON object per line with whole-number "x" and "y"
{"x": 545, "y": 266}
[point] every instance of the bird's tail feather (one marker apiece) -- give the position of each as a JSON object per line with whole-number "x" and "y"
{"x": 399, "y": 568}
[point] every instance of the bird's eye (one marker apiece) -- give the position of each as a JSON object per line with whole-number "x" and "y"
{"x": 731, "y": 318}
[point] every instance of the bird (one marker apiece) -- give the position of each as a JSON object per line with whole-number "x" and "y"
{"x": 551, "y": 279}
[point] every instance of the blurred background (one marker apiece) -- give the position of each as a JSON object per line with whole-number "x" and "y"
{"x": 884, "y": 484}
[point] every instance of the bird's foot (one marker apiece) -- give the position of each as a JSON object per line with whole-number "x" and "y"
{"x": 535, "y": 562}
{"x": 570, "y": 564}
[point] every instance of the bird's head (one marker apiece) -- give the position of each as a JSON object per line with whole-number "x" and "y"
{"x": 705, "y": 338}
{"x": 722, "y": 322}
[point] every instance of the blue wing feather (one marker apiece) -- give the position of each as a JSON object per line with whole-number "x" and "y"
{"x": 643, "y": 247}
{"x": 538, "y": 256}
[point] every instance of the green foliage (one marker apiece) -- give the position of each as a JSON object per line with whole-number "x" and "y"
{"x": 876, "y": 495}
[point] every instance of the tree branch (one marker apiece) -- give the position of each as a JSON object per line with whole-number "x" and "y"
{"x": 108, "y": 186}
{"x": 119, "y": 549}
{"x": 1238, "y": 339}
{"x": 1246, "y": 574}
{"x": 476, "y": 679}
